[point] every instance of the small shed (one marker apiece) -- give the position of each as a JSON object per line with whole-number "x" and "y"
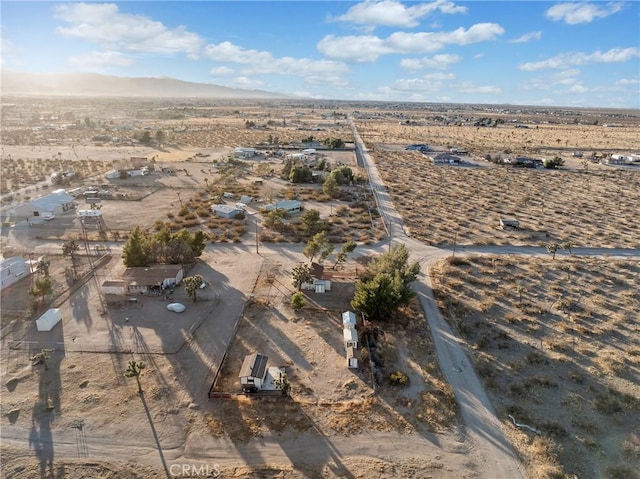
{"x": 253, "y": 370}
{"x": 349, "y": 319}
{"x": 226, "y": 211}
{"x": 48, "y": 320}
{"x": 350, "y": 336}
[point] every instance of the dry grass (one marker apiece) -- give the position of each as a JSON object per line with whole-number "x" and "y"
{"x": 438, "y": 203}
{"x": 554, "y": 353}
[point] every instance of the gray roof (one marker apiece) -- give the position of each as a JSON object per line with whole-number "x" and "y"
{"x": 254, "y": 365}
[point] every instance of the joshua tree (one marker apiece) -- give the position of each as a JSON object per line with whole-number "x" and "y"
{"x": 41, "y": 358}
{"x": 134, "y": 368}
{"x": 552, "y": 249}
{"x": 191, "y": 285}
{"x": 567, "y": 245}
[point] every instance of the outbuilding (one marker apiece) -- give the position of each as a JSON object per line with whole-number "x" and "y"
{"x": 226, "y": 211}
{"x": 48, "y": 320}
{"x": 290, "y": 206}
{"x": 253, "y": 371}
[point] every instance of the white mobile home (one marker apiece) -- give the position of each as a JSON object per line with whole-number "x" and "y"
{"x": 13, "y": 270}
{"x": 290, "y": 206}
{"x": 245, "y": 152}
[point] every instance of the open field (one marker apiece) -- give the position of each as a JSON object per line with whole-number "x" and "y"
{"x": 556, "y": 344}
{"x": 442, "y": 204}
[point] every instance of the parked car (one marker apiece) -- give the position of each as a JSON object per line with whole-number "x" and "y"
{"x": 176, "y": 307}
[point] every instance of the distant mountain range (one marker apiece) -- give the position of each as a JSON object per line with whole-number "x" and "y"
{"x": 93, "y": 84}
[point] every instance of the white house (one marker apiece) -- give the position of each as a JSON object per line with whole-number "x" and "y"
{"x": 290, "y": 206}
{"x": 114, "y": 286}
{"x": 226, "y": 211}
{"x": 112, "y": 175}
{"x": 13, "y": 270}
{"x": 319, "y": 283}
{"x": 55, "y": 203}
{"x": 245, "y": 152}
{"x": 253, "y": 370}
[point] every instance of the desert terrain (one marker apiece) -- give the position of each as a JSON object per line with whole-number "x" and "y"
{"x": 548, "y": 348}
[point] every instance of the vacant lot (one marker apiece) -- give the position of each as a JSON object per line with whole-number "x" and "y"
{"x": 442, "y": 204}
{"x": 556, "y": 343}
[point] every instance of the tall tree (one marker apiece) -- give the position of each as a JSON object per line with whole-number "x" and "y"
{"x": 318, "y": 246}
{"x": 387, "y": 285}
{"x": 330, "y": 187}
{"x": 311, "y": 222}
{"x": 552, "y": 249}
{"x": 70, "y": 248}
{"x": 191, "y": 285}
{"x": 42, "y": 288}
{"x": 134, "y": 252}
{"x": 347, "y": 248}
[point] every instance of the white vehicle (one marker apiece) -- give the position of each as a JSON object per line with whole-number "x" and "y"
{"x": 49, "y": 217}
{"x": 241, "y": 206}
{"x": 176, "y": 307}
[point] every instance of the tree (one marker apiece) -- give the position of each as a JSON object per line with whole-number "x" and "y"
{"x": 553, "y": 164}
{"x": 318, "y": 246}
{"x": 297, "y": 300}
{"x": 274, "y": 219}
{"x": 42, "y": 288}
{"x": 134, "y": 368}
{"x": 567, "y": 245}
{"x": 300, "y": 174}
{"x": 134, "y": 252}
{"x": 387, "y": 285}
{"x": 145, "y": 139}
{"x": 347, "y": 248}
{"x": 334, "y": 143}
{"x": 70, "y": 248}
{"x": 282, "y": 383}
{"x": 343, "y": 175}
{"x": 552, "y": 249}
{"x": 160, "y": 137}
{"x": 330, "y": 187}
{"x": 311, "y": 222}
{"x": 43, "y": 266}
{"x": 192, "y": 284}
{"x": 300, "y": 274}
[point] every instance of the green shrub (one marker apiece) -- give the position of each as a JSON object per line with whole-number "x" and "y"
{"x": 399, "y": 378}
{"x": 298, "y": 300}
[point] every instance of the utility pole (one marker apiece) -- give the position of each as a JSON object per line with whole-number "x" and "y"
{"x": 255, "y": 219}
{"x": 390, "y": 233}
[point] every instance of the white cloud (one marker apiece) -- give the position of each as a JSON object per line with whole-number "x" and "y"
{"x": 264, "y": 63}
{"x": 222, "y": 71}
{"x": 527, "y": 37}
{"x": 574, "y": 13}
{"x": 615, "y": 55}
{"x": 628, "y": 81}
{"x": 101, "y": 60}
{"x": 431, "y": 83}
{"x": 394, "y": 14}
{"x": 104, "y": 25}
{"x": 564, "y": 79}
{"x": 368, "y": 48}
{"x": 439, "y": 62}
{"x": 470, "y": 87}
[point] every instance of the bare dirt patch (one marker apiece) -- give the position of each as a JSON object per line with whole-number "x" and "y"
{"x": 556, "y": 344}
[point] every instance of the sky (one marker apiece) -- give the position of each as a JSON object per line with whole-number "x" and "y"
{"x": 575, "y": 54}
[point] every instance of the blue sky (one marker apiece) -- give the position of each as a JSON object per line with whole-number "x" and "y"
{"x": 518, "y": 52}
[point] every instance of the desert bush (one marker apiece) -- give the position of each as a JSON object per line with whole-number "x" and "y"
{"x": 298, "y": 301}
{"x": 607, "y": 404}
{"x": 399, "y": 378}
